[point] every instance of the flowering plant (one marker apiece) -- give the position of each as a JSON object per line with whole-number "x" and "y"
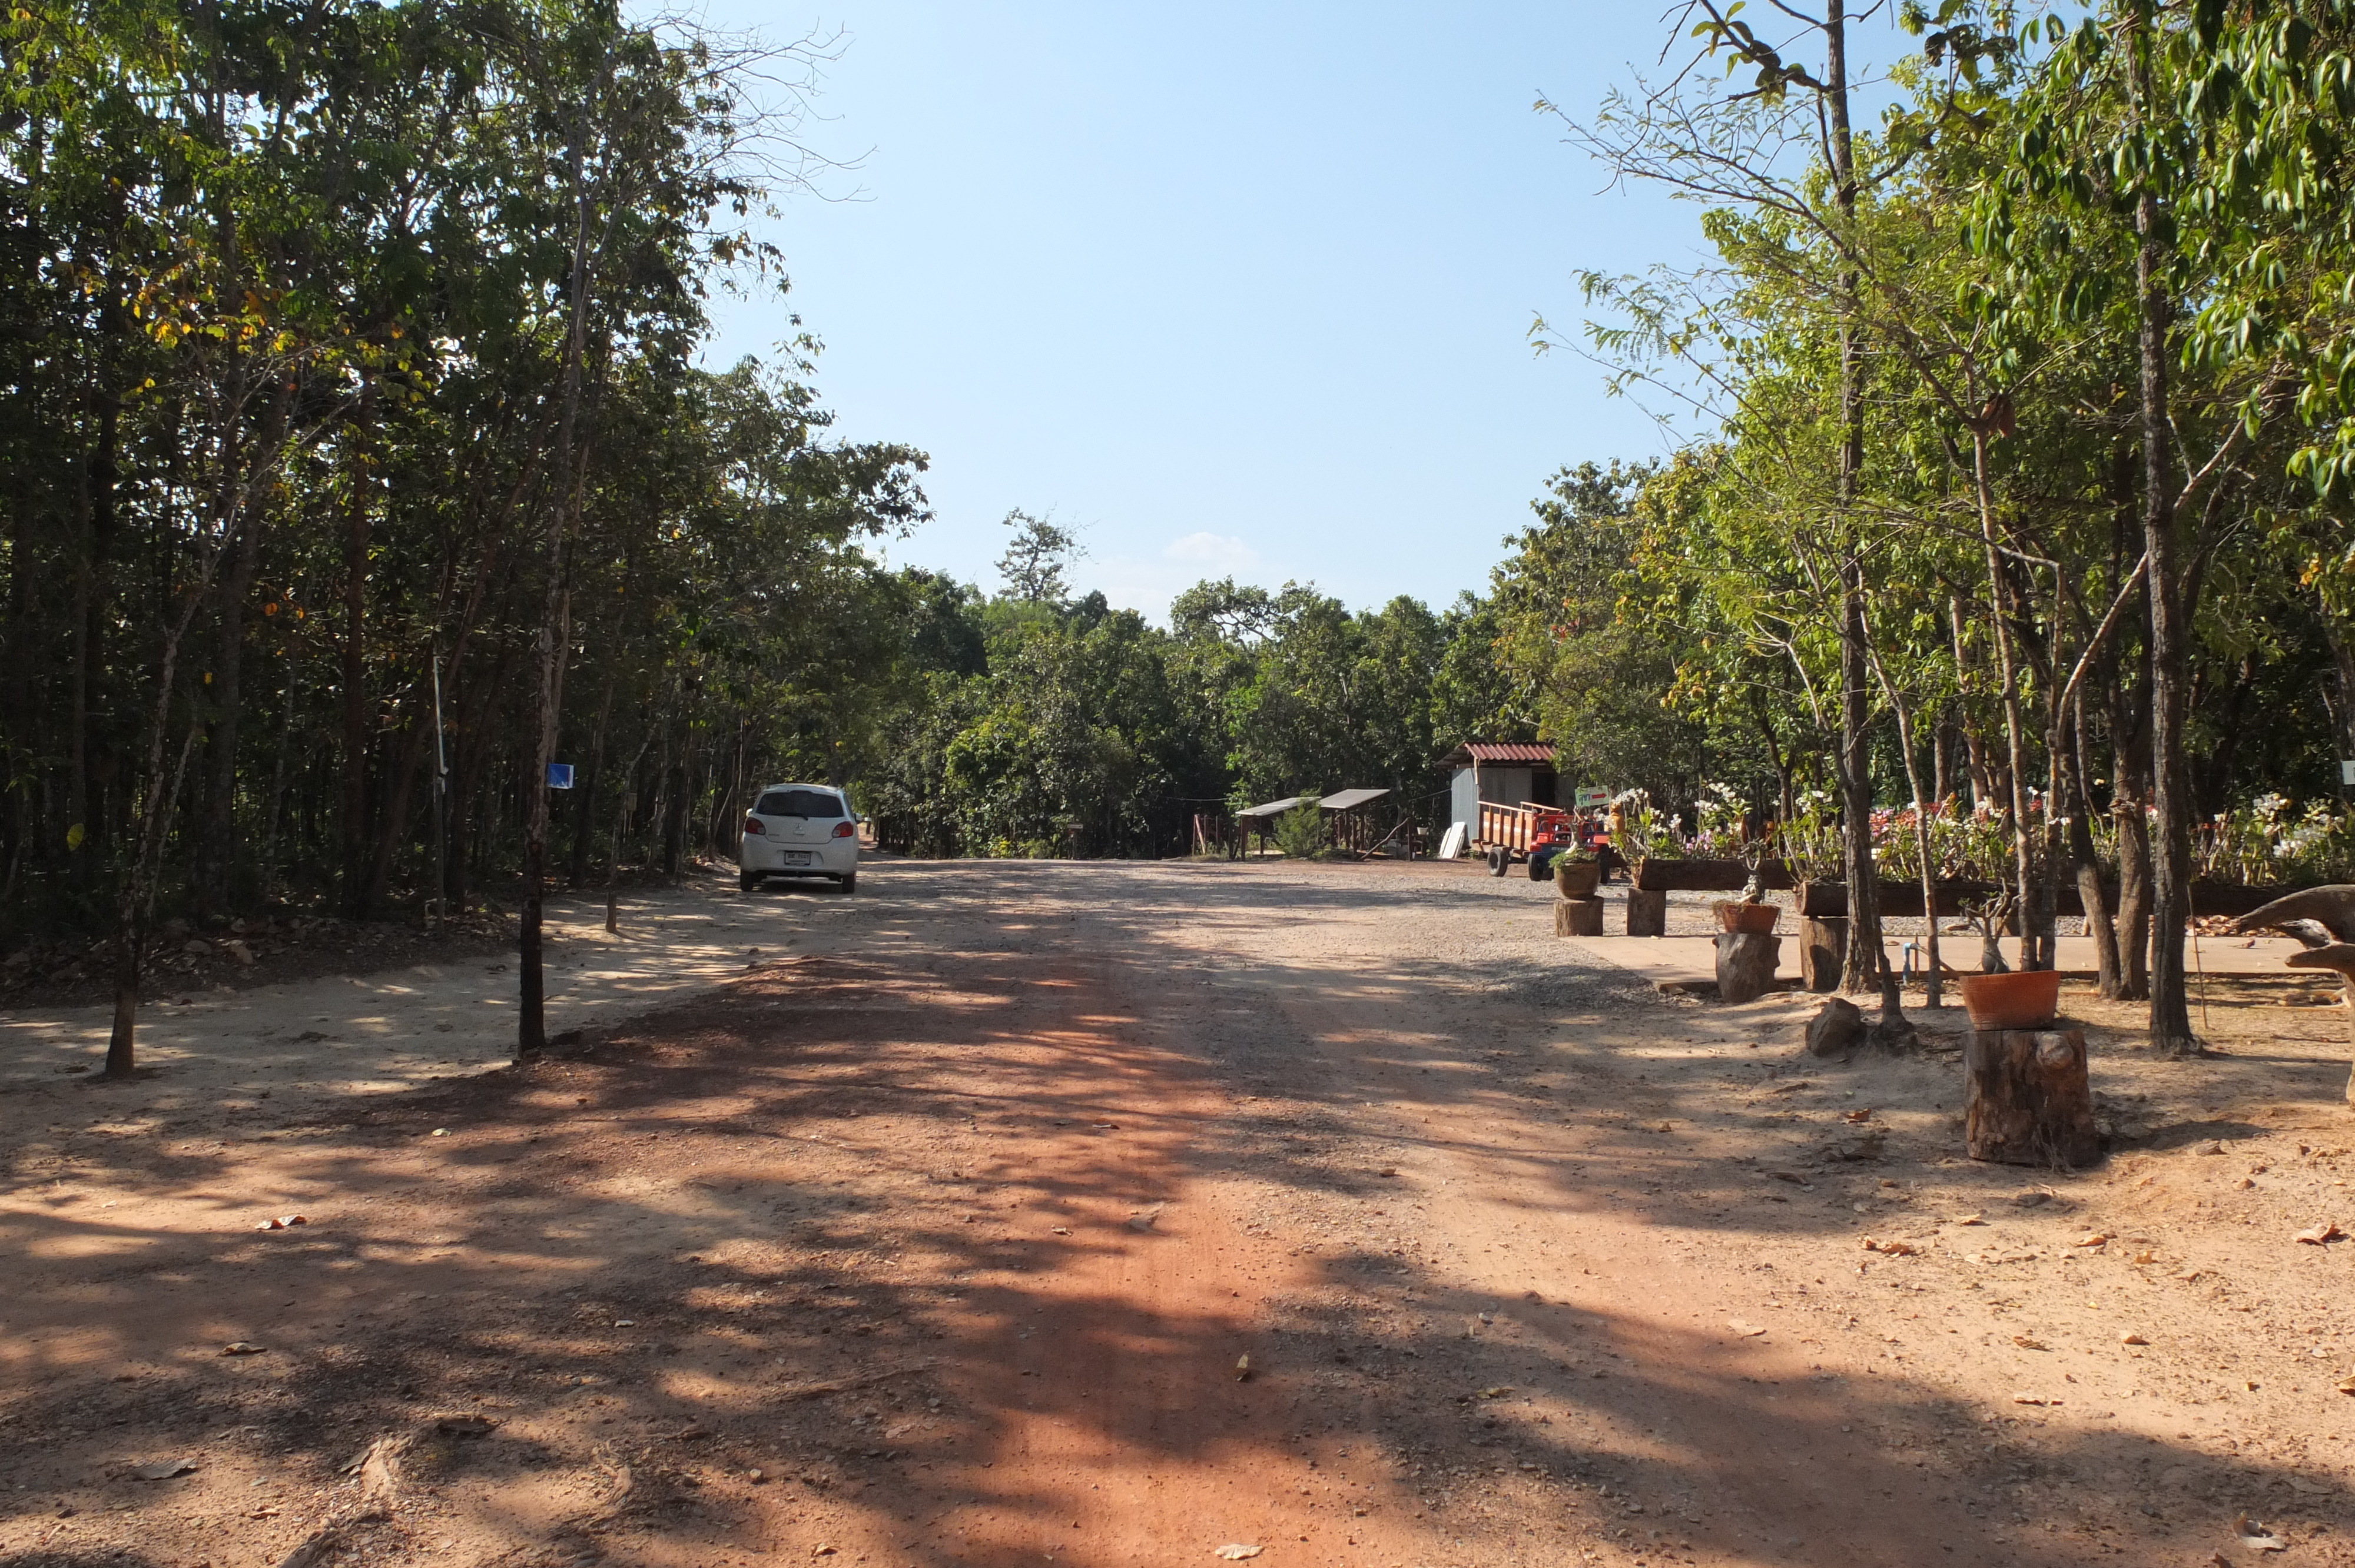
{"x": 1723, "y": 831}
{"x": 1640, "y": 832}
{"x": 2265, "y": 841}
{"x": 1811, "y": 838}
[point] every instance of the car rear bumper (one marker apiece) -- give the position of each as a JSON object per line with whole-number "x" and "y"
{"x": 828, "y": 857}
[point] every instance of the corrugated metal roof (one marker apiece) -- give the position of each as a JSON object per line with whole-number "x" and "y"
{"x": 1346, "y": 799}
{"x": 1274, "y": 808}
{"x": 1508, "y": 750}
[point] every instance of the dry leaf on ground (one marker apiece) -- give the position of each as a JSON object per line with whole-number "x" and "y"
{"x": 2315, "y": 1235}
{"x": 163, "y": 1469}
{"x": 242, "y": 1348}
{"x": 2257, "y": 1537}
{"x": 1745, "y": 1330}
{"x": 1235, "y": 1552}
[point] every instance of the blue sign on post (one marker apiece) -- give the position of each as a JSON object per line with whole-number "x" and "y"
{"x": 560, "y": 776}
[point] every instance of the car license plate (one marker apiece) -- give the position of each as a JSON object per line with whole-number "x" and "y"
{"x": 796, "y": 857}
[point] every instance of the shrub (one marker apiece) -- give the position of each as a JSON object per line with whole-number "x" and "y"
{"x": 1300, "y": 832}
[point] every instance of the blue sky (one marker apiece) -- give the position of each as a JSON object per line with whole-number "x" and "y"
{"x": 1231, "y": 289}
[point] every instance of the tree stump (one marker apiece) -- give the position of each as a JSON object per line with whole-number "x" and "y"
{"x": 1578, "y": 916}
{"x": 1823, "y": 949}
{"x": 1647, "y": 913}
{"x": 1746, "y": 961}
{"x": 1837, "y": 1030}
{"x": 2029, "y": 1101}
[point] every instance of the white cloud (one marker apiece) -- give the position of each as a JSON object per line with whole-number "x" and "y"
{"x": 1220, "y": 552}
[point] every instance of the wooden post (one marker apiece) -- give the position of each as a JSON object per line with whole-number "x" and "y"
{"x": 2029, "y": 1101}
{"x": 1578, "y": 916}
{"x": 1647, "y": 913}
{"x": 1746, "y": 962}
{"x": 1823, "y": 949}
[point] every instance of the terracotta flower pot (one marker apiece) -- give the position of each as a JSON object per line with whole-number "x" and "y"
{"x": 2024, "y": 999}
{"x": 1576, "y": 878}
{"x": 1740, "y": 917}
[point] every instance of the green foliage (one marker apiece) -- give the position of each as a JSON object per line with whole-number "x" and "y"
{"x": 1300, "y": 832}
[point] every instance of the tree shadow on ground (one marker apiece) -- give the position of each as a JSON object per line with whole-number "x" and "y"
{"x": 852, "y": 1226}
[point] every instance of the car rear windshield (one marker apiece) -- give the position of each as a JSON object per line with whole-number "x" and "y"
{"x": 798, "y": 803}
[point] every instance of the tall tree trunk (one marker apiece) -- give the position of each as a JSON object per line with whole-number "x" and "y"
{"x": 219, "y": 853}
{"x": 268, "y": 868}
{"x": 2008, "y": 671}
{"x": 584, "y": 808}
{"x": 1933, "y": 982}
{"x": 94, "y": 508}
{"x": 357, "y": 524}
{"x": 2170, "y": 858}
{"x": 2342, "y": 670}
{"x": 1867, "y": 964}
{"x": 392, "y": 820}
{"x": 555, "y": 631}
{"x": 2085, "y": 861}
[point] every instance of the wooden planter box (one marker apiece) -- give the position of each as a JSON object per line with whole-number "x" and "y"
{"x": 1706, "y": 875}
{"x": 1829, "y": 900}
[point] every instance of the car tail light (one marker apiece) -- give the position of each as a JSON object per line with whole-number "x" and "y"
{"x": 846, "y": 830}
{"x": 752, "y": 825}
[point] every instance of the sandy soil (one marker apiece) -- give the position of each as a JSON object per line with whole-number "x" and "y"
{"x": 936, "y": 1232}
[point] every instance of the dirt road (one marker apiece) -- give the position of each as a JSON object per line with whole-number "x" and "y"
{"x": 946, "y": 1239}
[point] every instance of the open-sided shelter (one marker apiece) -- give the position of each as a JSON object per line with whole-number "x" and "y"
{"x": 1260, "y": 818}
{"x": 1351, "y": 822}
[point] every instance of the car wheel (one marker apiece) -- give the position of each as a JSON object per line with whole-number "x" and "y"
{"x": 1497, "y": 860}
{"x": 747, "y": 880}
{"x": 850, "y": 882}
{"x": 1541, "y": 867}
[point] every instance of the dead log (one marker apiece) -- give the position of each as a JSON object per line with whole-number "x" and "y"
{"x": 1578, "y": 916}
{"x": 2331, "y": 907}
{"x": 1746, "y": 962}
{"x": 2339, "y": 958}
{"x": 1647, "y": 913}
{"x": 1823, "y": 949}
{"x": 2029, "y": 1101}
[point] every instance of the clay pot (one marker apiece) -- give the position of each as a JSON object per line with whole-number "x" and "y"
{"x": 2024, "y": 999}
{"x": 1738, "y": 916}
{"x": 1576, "y": 878}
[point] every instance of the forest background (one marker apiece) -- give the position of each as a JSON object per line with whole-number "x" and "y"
{"x": 358, "y": 464}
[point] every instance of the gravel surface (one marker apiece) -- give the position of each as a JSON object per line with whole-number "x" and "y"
{"x": 1116, "y": 1213}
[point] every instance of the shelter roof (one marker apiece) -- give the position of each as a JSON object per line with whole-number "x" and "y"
{"x": 1274, "y": 808}
{"x": 1349, "y": 799}
{"x": 1473, "y": 751}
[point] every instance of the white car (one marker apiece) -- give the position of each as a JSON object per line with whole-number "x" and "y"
{"x": 799, "y": 830}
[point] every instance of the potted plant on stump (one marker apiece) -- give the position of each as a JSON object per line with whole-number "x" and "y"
{"x": 1576, "y": 911}
{"x": 1641, "y": 834}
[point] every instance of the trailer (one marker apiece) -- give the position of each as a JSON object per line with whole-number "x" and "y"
{"x": 1534, "y": 835}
